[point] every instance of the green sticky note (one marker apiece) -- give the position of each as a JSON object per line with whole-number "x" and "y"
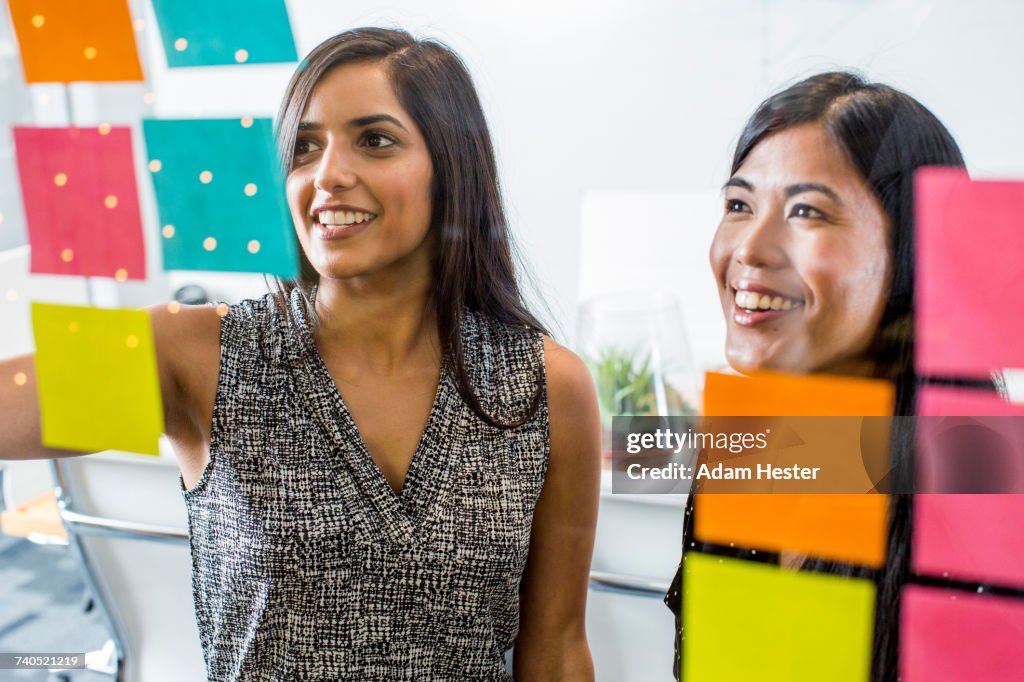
{"x": 220, "y": 195}
{"x": 97, "y": 375}
{"x": 216, "y": 32}
{"x": 749, "y": 621}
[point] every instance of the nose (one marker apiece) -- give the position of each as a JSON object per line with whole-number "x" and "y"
{"x": 335, "y": 171}
{"x": 761, "y": 242}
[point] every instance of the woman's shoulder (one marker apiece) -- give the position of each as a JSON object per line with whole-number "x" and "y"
{"x": 190, "y": 329}
{"x": 570, "y": 385}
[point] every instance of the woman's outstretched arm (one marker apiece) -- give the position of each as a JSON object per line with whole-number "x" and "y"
{"x": 21, "y": 430}
{"x": 552, "y": 642}
{"x": 186, "y": 344}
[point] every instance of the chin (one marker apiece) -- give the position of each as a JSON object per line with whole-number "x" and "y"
{"x": 745, "y": 363}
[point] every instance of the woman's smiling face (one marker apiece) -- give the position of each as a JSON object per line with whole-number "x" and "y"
{"x": 801, "y": 258}
{"x": 359, "y": 190}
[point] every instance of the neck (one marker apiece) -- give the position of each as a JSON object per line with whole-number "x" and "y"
{"x": 852, "y": 367}
{"x": 380, "y": 326}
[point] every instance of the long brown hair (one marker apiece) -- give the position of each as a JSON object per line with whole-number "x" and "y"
{"x": 474, "y": 267}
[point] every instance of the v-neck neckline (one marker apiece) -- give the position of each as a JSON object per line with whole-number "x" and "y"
{"x": 431, "y": 470}
{"x": 357, "y": 438}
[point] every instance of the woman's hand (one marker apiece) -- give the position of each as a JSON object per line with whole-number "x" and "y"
{"x": 552, "y": 642}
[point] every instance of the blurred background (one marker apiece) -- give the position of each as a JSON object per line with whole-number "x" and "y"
{"x": 614, "y": 124}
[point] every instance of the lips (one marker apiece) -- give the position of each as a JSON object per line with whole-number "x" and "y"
{"x": 340, "y": 221}
{"x": 332, "y": 232}
{"x": 754, "y": 303}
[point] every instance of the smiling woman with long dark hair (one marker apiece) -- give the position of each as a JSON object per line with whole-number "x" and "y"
{"x": 814, "y": 260}
{"x": 391, "y": 472}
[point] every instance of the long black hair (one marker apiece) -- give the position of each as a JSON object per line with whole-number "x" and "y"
{"x": 473, "y": 260}
{"x": 887, "y": 135}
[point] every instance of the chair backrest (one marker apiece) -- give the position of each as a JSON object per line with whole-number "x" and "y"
{"x": 126, "y": 520}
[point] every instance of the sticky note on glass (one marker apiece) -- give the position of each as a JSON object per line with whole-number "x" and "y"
{"x": 969, "y": 244}
{"x": 220, "y": 196}
{"x": 81, "y": 201}
{"x": 953, "y": 635}
{"x": 210, "y": 33}
{"x": 97, "y": 375}
{"x": 849, "y": 528}
{"x": 968, "y": 537}
{"x": 750, "y": 621}
{"x": 968, "y": 441}
{"x": 85, "y": 40}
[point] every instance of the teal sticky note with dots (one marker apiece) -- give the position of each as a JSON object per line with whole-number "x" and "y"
{"x": 220, "y": 196}
{"x": 220, "y": 32}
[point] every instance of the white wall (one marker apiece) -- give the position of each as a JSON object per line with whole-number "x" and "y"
{"x": 608, "y": 98}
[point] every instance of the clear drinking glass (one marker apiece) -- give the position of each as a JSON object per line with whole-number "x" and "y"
{"x": 636, "y": 347}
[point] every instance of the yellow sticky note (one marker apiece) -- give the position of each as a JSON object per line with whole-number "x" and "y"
{"x": 98, "y": 383}
{"x": 748, "y": 621}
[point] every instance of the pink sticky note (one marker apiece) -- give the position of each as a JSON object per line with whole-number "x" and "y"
{"x": 976, "y": 538}
{"x": 951, "y": 401}
{"x": 949, "y": 635}
{"x": 969, "y": 246}
{"x": 81, "y": 201}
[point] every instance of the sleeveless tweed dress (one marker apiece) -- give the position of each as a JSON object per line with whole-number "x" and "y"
{"x": 308, "y": 566}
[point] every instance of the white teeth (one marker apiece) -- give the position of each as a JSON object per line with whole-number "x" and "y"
{"x": 749, "y": 300}
{"x": 344, "y": 217}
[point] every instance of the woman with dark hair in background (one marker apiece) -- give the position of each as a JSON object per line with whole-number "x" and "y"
{"x": 814, "y": 260}
{"x": 391, "y": 472}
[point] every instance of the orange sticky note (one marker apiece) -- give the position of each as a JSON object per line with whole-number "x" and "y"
{"x": 85, "y": 40}
{"x": 849, "y": 528}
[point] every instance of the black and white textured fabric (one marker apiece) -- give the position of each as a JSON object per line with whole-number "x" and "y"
{"x": 308, "y": 566}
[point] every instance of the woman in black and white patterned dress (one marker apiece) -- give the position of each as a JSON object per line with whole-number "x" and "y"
{"x": 391, "y": 472}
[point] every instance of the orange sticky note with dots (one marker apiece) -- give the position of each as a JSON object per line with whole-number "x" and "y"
{"x": 99, "y": 388}
{"x": 81, "y": 201}
{"x": 848, "y": 528}
{"x": 84, "y": 40}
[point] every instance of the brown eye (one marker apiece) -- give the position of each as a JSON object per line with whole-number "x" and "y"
{"x": 378, "y": 141}
{"x": 807, "y": 211}
{"x": 303, "y": 147}
{"x": 736, "y": 206}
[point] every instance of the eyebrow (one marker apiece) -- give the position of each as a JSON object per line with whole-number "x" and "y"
{"x": 791, "y": 191}
{"x": 360, "y": 122}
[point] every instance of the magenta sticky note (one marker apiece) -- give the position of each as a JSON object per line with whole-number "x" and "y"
{"x": 81, "y": 201}
{"x": 969, "y": 537}
{"x": 970, "y": 243}
{"x": 950, "y": 635}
